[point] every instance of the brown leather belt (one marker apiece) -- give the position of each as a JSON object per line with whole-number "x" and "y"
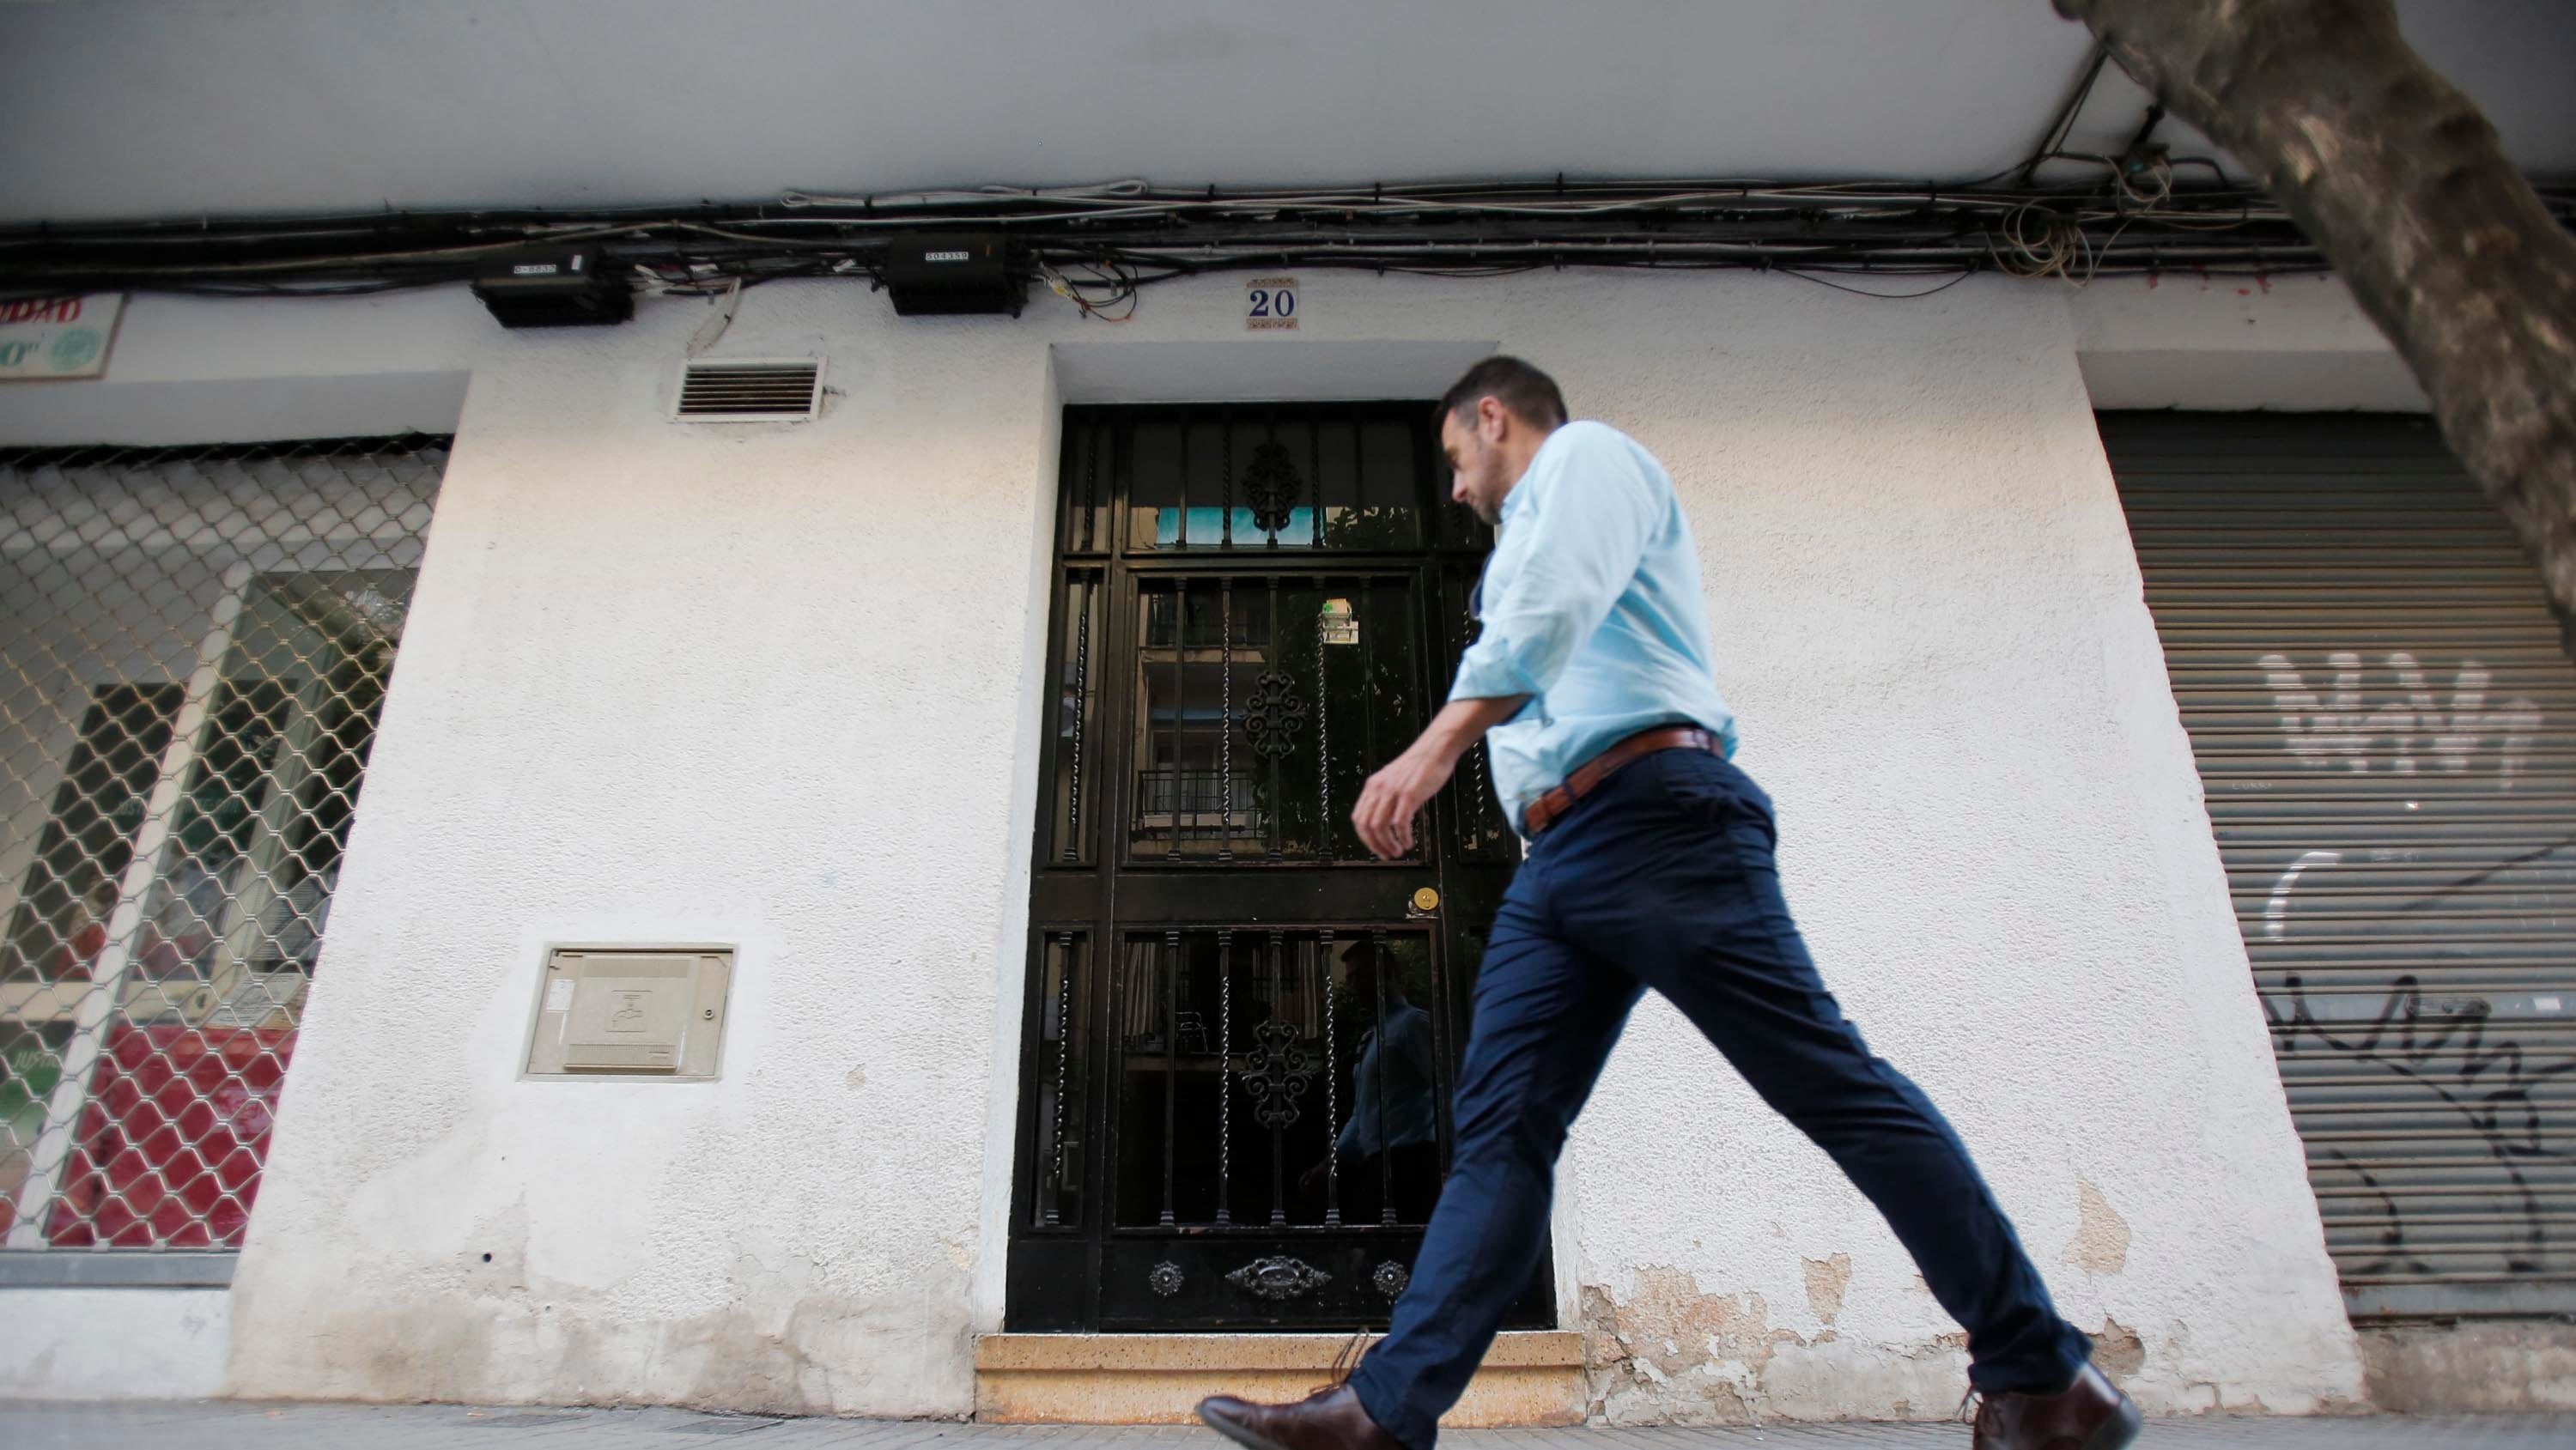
{"x": 1587, "y": 777}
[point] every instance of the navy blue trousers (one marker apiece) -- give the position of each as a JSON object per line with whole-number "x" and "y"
{"x": 1663, "y": 878}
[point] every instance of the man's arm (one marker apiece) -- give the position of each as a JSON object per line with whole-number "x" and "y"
{"x": 1396, "y": 794}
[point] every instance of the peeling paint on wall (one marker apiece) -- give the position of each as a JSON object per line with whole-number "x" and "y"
{"x": 1826, "y": 1281}
{"x": 2101, "y": 1242}
{"x": 1670, "y": 1353}
{"x": 2117, "y": 1351}
{"x": 1670, "y": 1350}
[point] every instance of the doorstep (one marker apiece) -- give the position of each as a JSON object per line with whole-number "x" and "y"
{"x": 1529, "y": 1378}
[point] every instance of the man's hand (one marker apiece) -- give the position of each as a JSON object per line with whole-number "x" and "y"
{"x": 1397, "y": 794}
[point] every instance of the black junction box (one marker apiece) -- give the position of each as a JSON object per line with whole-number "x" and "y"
{"x": 561, "y": 288}
{"x": 931, "y": 275}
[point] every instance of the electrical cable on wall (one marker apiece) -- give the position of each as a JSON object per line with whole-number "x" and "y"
{"x": 714, "y": 327}
{"x": 1100, "y": 246}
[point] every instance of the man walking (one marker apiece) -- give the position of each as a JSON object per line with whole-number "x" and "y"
{"x": 1650, "y": 866}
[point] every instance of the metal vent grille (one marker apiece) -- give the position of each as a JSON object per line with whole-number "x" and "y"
{"x": 2384, "y": 714}
{"x": 750, "y": 390}
{"x": 194, "y": 646}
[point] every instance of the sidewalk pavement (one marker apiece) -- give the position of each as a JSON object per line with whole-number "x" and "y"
{"x": 235, "y": 1425}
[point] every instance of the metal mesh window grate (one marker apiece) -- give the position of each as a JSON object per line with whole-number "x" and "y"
{"x": 194, "y": 645}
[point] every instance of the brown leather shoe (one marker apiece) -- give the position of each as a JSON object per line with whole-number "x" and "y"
{"x": 2090, "y": 1414}
{"x": 1329, "y": 1419}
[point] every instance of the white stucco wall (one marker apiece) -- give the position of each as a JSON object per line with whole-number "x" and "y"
{"x": 113, "y": 1344}
{"x": 2293, "y": 343}
{"x": 773, "y": 685}
{"x": 1928, "y": 614}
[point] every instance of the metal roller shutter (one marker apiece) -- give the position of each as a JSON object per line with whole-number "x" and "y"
{"x": 2384, "y": 711}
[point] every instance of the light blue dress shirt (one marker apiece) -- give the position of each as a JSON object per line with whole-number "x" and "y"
{"x": 1592, "y": 607}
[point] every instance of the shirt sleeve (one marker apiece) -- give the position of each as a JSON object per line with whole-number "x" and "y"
{"x": 1563, "y": 562}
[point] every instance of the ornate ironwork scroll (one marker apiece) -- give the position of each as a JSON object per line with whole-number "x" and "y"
{"x": 1279, "y": 1277}
{"x": 1276, "y": 1074}
{"x": 1275, "y": 716}
{"x": 1271, "y": 484}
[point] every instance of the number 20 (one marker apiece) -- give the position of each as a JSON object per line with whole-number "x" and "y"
{"x": 1264, "y": 301}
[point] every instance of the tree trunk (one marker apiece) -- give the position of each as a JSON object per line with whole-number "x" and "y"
{"x": 2401, "y": 182}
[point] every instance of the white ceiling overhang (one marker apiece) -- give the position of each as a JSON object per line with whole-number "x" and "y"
{"x": 162, "y": 108}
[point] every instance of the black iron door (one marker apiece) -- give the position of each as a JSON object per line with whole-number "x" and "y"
{"x": 1242, "y": 1029}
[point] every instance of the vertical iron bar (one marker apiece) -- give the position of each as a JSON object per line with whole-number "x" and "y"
{"x": 1323, "y": 733}
{"x": 1476, "y": 755}
{"x": 1140, "y": 702}
{"x": 1315, "y": 512}
{"x": 1063, "y": 1061}
{"x": 1181, "y": 533}
{"x": 1278, "y": 1145}
{"x": 1447, "y": 965}
{"x": 1413, "y": 689}
{"x": 1225, "y": 447}
{"x": 1362, "y": 599}
{"x": 1332, "y": 1097}
{"x": 1171, "y": 1056}
{"x": 1279, "y": 515}
{"x": 1359, "y": 466}
{"x": 1225, "y": 717}
{"x": 1085, "y": 589}
{"x": 1090, "y": 492}
{"x": 1180, "y": 703}
{"x": 1275, "y": 827}
{"x": 1224, "y": 1077}
{"x": 1385, "y": 1150}
{"x": 1117, "y": 500}
{"x": 1315, "y": 471}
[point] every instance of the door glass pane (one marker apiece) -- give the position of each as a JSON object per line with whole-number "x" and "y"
{"x": 1083, "y": 647}
{"x": 1289, "y": 1078}
{"x": 1370, "y": 704}
{"x": 1376, "y": 502}
{"x": 1296, "y": 479}
{"x": 1252, "y": 742}
{"x": 1063, "y": 1076}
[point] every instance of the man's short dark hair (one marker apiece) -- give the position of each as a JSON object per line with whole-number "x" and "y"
{"x": 1529, "y": 393}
